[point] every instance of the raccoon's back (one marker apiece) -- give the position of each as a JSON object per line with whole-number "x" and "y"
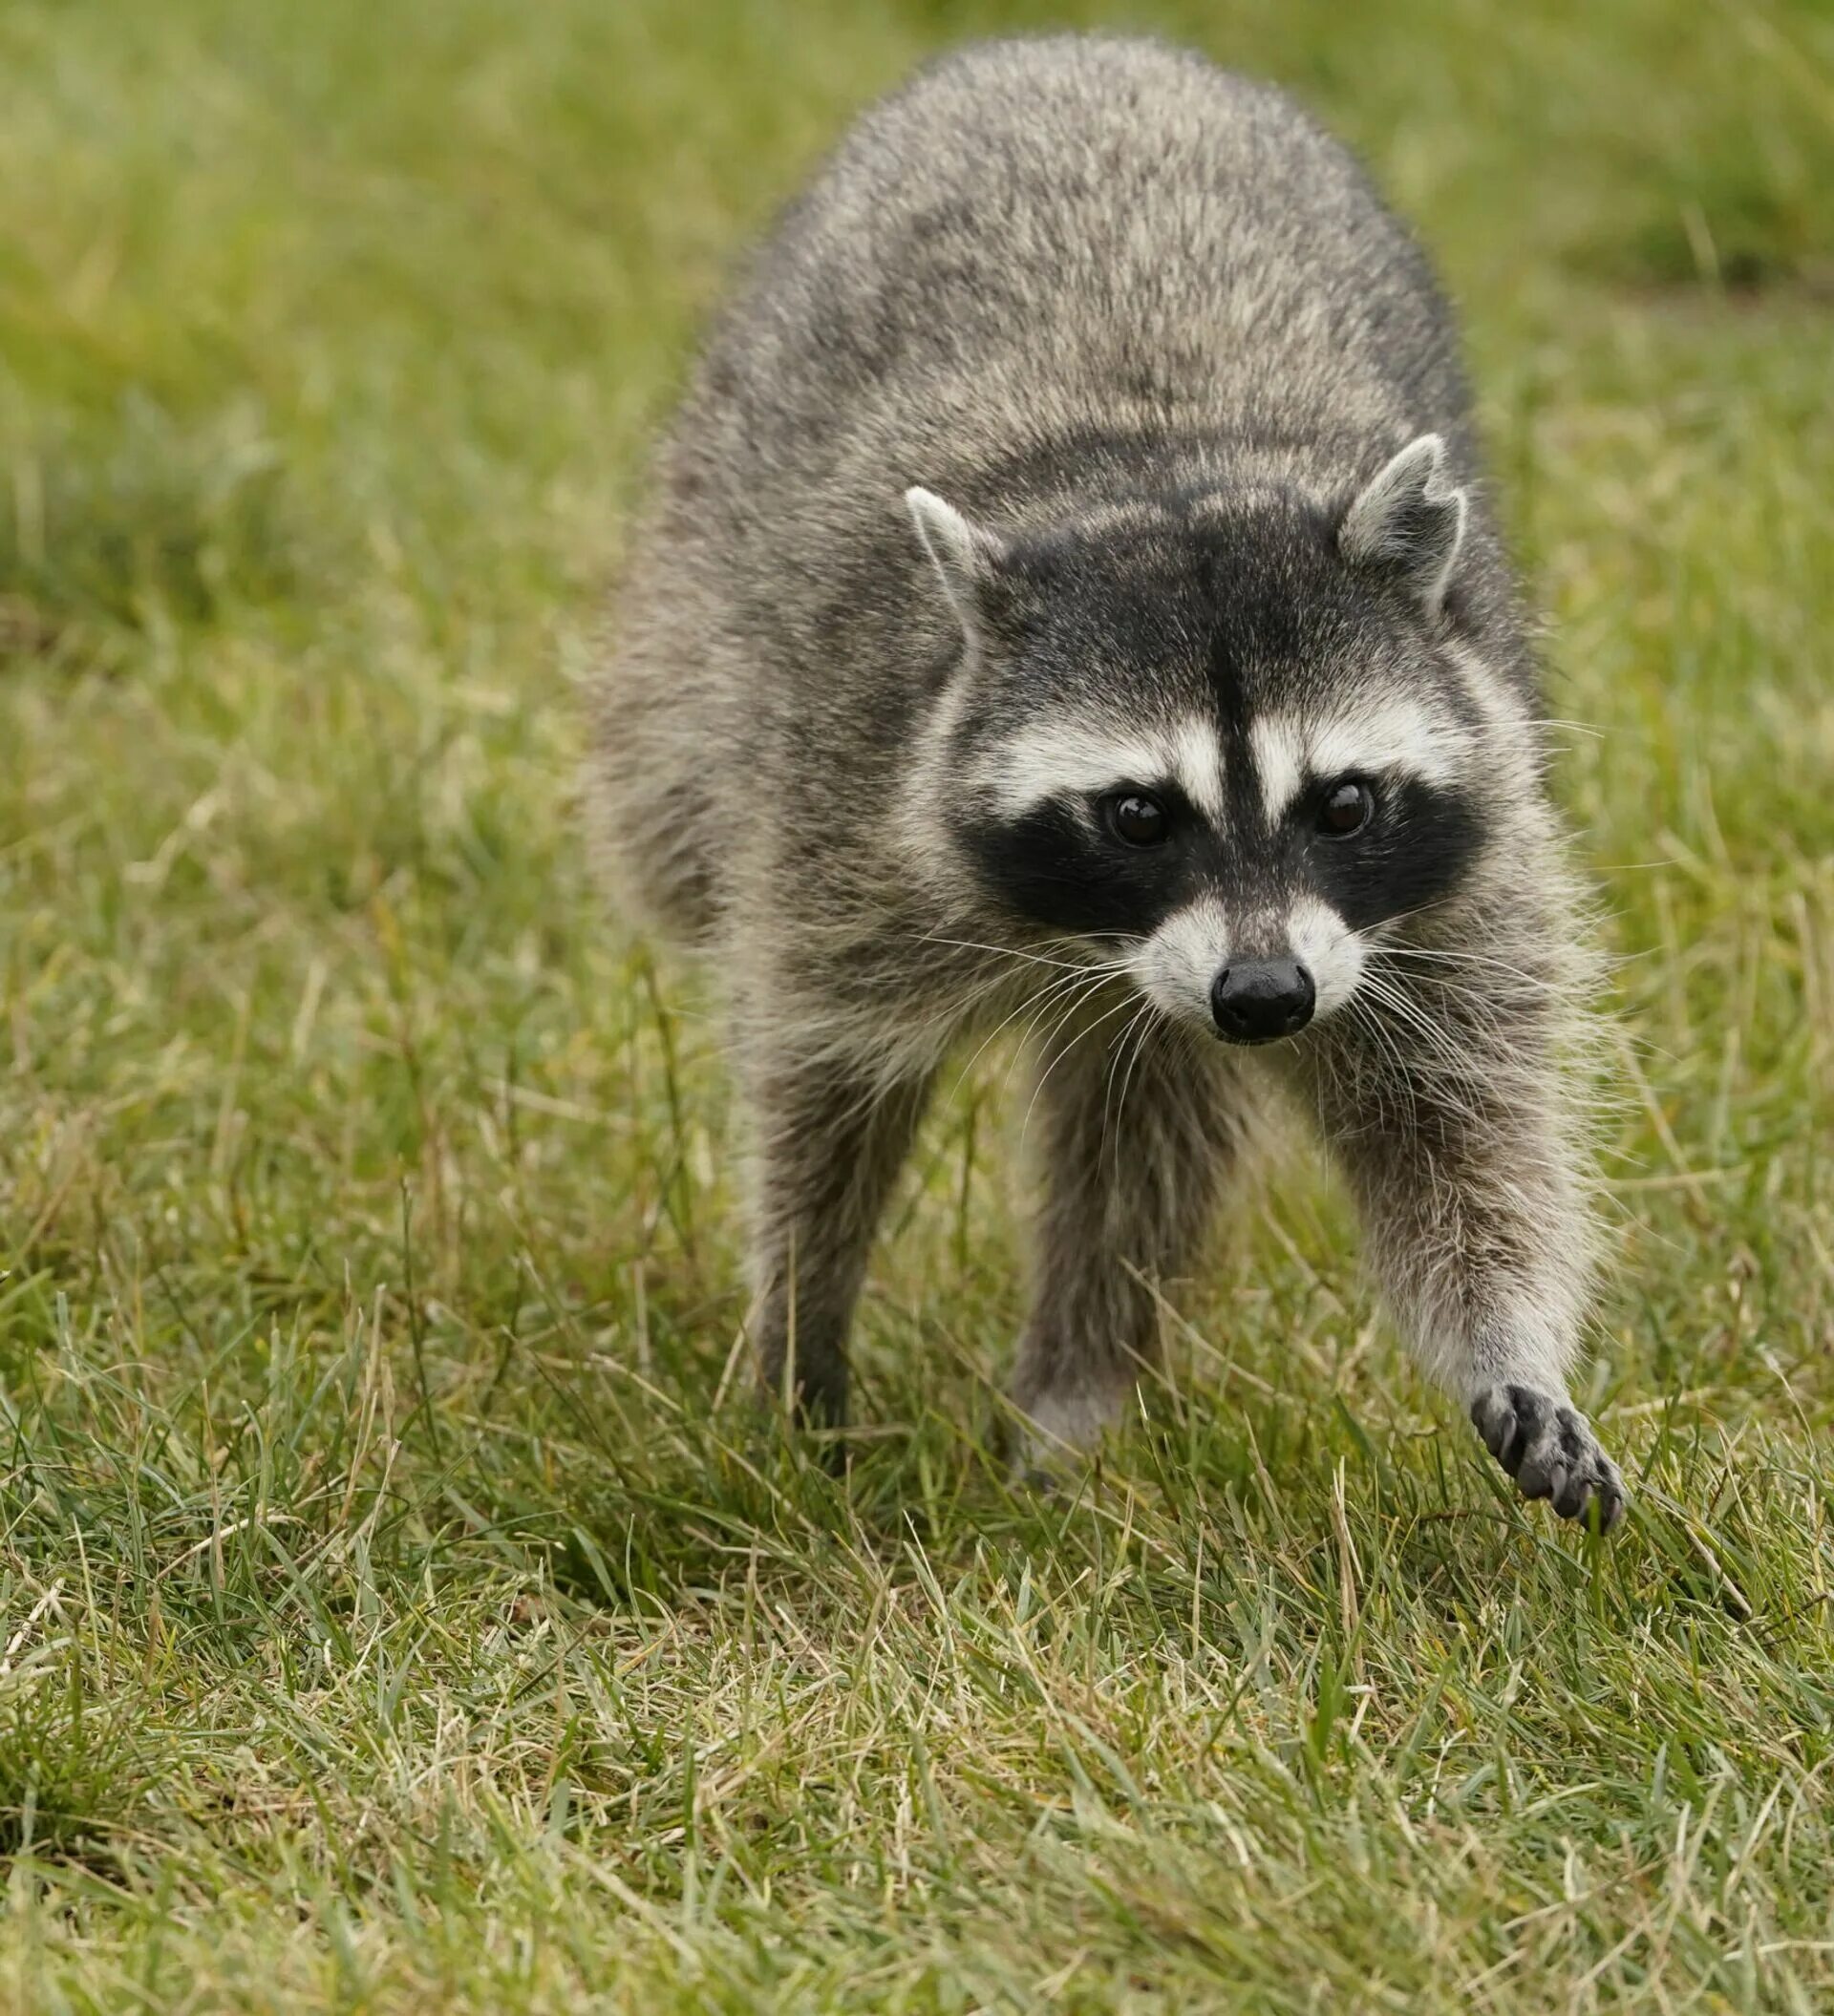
{"x": 1066, "y": 237}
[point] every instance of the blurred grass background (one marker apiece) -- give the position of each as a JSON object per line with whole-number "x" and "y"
{"x": 397, "y": 1606}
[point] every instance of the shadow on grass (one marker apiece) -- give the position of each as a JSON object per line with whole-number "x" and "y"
{"x": 74, "y": 1774}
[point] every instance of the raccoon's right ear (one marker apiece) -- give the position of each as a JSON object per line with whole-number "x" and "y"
{"x": 965, "y": 555}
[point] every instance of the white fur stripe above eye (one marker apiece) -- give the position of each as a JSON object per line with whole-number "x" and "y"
{"x": 1052, "y": 759}
{"x": 1277, "y": 749}
{"x": 1398, "y": 736}
{"x": 1197, "y": 765}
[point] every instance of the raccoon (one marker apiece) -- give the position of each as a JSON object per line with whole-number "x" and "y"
{"x": 1068, "y": 599}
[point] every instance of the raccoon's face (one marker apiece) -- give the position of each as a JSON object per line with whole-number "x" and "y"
{"x": 1219, "y": 736}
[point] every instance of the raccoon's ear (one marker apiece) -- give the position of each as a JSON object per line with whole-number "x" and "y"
{"x": 1409, "y": 520}
{"x": 963, "y": 555}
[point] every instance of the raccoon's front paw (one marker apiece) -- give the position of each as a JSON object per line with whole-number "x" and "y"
{"x": 1550, "y": 1451}
{"x": 1061, "y": 1428}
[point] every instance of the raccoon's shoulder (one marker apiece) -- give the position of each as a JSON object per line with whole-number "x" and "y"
{"x": 1059, "y": 172}
{"x": 1045, "y": 89}
{"x": 1085, "y": 215}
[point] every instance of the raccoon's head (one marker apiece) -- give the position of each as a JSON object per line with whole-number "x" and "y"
{"x": 1227, "y": 735}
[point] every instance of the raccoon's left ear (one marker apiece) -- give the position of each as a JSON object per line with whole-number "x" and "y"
{"x": 1409, "y": 520}
{"x": 963, "y": 555}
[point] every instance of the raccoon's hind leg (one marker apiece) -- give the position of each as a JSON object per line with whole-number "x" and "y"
{"x": 829, "y": 1143}
{"x": 1455, "y": 1141}
{"x": 1133, "y": 1149}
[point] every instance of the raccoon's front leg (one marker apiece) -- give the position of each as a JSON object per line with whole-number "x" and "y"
{"x": 1133, "y": 1149}
{"x": 1473, "y": 1206}
{"x": 828, "y": 1146}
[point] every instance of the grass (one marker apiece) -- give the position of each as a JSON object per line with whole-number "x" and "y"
{"x": 398, "y": 1606}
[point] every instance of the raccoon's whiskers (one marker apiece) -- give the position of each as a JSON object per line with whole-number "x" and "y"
{"x": 1455, "y": 1075}
{"x": 1074, "y": 1007}
{"x": 1032, "y": 1006}
{"x": 1140, "y": 1015}
{"x": 1012, "y": 953}
{"x": 1538, "y": 983}
{"x": 1383, "y": 991}
{"x": 1036, "y": 1005}
{"x": 1089, "y": 1029}
{"x": 1413, "y": 996}
{"x": 1147, "y": 1027}
{"x": 1394, "y": 1068}
{"x": 1420, "y": 1052}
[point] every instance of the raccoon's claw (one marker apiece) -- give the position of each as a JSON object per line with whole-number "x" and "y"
{"x": 1550, "y": 1451}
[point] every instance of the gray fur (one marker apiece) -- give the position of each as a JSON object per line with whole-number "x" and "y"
{"x": 1020, "y": 434}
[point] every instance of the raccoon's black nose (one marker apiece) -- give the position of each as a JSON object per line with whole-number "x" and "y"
{"x": 1261, "y": 999}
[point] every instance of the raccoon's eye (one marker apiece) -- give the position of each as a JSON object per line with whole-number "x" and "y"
{"x": 1136, "y": 818}
{"x": 1347, "y": 807}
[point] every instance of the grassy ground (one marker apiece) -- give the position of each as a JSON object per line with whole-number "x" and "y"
{"x": 398, "y": 1607}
